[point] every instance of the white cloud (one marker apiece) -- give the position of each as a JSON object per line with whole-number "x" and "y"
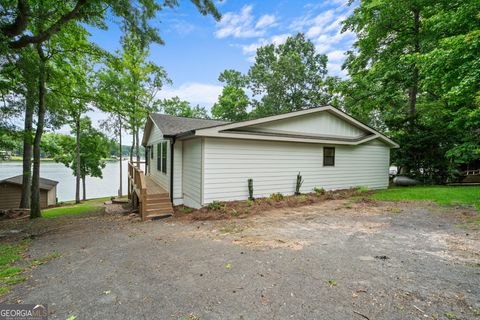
{"x": 243, "y": 25}
{"x": 324, "y": 30}
{"x": 195, "y": 93}
{"x": 336, "y": 55}
{"x": 266, "y": 21}
{"x": 251, "y": 49}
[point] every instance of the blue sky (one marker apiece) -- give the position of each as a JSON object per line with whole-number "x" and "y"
{"x": 198, "y": 48}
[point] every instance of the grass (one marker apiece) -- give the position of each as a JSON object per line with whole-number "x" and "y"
{"x": 10, "y": 255}
{"x": 443, "y": 195}
{"x": 69, "y": 210}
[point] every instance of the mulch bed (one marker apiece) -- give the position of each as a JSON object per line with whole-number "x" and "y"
{"x": 243, "y": 209}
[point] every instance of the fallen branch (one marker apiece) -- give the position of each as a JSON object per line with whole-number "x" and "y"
{"x": 362, "y": 315}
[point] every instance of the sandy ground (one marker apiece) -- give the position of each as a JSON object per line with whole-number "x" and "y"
{"x": 332, "y": 260}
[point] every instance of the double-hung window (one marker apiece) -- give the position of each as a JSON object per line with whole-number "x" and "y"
{"x": 328, "y": 156}
{"x": 162, "y": 157}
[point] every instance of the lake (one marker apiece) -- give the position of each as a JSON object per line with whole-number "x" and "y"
{"x": 96, "y": 187}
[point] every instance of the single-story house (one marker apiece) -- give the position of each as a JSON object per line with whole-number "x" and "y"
{"x": 198, "y": 161}
{"x": 11, "y": 192}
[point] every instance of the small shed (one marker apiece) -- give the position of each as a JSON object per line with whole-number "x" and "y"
{"x": 11, "y": 192}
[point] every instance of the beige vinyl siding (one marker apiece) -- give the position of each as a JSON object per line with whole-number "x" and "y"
{"x": 52, "y": 197}
{"x": 158, "y": 176}
{"x": 177, "y": 173}
{"x": 273, "y": 166}
{"x": 192, "y": 172}
{"x": 10, "y": 195}
{"x": 322, "y": 123}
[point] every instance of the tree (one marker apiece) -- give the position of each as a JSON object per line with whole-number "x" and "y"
{"x": 94, "y": 147}
{"x": 19, "y": 30}
{"x": 233, "y": 78}
{"x": 414, "y": 72}
{"x": 288, "y": 77}
{"x": 181, "y": 108}
{"x": 142, "y": 81}
{"x": 232, "y": 104}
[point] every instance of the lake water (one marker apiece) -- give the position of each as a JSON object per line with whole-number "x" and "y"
{"x": 96, "y": 187}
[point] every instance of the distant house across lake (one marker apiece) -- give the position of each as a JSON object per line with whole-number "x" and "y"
{"x": 11, "y": 192}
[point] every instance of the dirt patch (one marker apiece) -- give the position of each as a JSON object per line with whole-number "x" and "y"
{"x": 243, "y": 209}
{"x": 332, "y": 259}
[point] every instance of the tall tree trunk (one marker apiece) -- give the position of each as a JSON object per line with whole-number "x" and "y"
{"x": 413, "y": 92}
{"x": 137, "y": 146}
{"x": 84, "y": 188}
{"x": 35, "y": 211}
{"x": 133, "y": 145}
{"x": 77, "y": 159}
{"x": 120, "y": 192}
{"x": 27, "y": 147}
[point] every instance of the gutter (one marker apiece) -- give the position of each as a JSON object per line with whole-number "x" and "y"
{"x": 172, "y": 145}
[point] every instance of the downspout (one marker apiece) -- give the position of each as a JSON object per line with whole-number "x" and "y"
{"x": 172, "y": 144}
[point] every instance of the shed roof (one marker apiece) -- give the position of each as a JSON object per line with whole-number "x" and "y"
{"x": 45, "y": 184}
{"x": 173, "y": 125}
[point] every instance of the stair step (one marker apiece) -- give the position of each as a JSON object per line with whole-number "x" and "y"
{"x": 158, "y": 196}
{"x": 158, "y": 216}
{"x": 158, "y": 201}
{"x": 163, "y": 209}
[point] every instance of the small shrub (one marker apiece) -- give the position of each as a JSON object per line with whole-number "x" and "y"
{"x": 215, "y": 205}
{"x": 302, "y": 197}
{"x": 250, "y": 190}
{"x": 234, "y": 213}
{"x": 298, "y": 184}
{"x": 276, "y": 196}
{"x": 319, "y": 191}
{"x": 186, "y": 210}
{"x": 332, "y": 282}
{"x": 249, "y": 202}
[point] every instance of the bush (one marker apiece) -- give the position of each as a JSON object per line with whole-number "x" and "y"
{"x": 319, "y": 191}
{"x": 276, "y": 196}
{"x": 250, "y": 190}
{"x": 298, "y": 184}
{"x": 215, "y": 205}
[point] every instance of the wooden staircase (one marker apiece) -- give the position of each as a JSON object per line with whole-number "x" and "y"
{"x": 152, "y": 201}
{"x": 156, "y": 205}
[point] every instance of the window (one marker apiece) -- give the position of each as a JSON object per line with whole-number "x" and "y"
{"x": 159, "y": 157}
{"x": 162, "y": 157}
{"x": 328, "y": 156}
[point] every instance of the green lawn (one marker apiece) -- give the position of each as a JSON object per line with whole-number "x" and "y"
{"x": 443, "y": 195}
{"x": 69, "y": 210}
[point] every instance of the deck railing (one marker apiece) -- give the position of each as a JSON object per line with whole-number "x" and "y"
{"x": 136, "y": 182}
{"x": 472, "y": 172}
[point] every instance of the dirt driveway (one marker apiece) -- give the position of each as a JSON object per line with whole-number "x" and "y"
{"x": 333, "y": 260}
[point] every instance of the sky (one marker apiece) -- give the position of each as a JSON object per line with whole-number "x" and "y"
{"x": 197, "y": 48}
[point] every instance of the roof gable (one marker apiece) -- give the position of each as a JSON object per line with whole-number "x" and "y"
{"x": 317, "y": 125}
{"x": 171, "y": 126}
{"x": 45, "y": 184}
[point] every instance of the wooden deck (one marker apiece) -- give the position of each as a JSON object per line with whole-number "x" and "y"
{"x": 149, "y": 197}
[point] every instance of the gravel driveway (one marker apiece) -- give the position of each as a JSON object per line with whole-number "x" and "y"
{"x": 333, "y": 260}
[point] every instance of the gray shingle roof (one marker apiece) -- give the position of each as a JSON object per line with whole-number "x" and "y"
{"x": 45, "y": 184}
{"x": 172, "y": 125}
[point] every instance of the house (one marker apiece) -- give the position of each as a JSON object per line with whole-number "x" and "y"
{"x": 11, "y": 192}
{"x": 198, "y": 161}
